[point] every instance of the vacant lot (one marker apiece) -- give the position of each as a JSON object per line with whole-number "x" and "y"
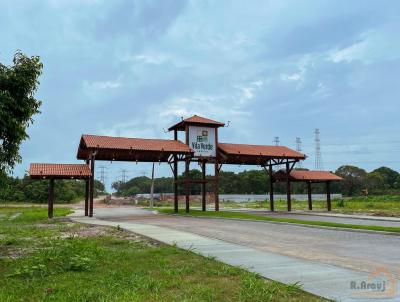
{"x": 63, "y": 261}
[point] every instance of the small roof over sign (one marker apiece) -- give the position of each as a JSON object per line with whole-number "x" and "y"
{"x": 195, "y": 120}
{"x": 60, "y": 171}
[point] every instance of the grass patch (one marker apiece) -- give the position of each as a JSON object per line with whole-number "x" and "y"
{"x": 238, "y": 215}
{"x": 56, "y": 260}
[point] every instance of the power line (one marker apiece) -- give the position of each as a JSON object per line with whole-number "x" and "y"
{"x": 318, "y": 157}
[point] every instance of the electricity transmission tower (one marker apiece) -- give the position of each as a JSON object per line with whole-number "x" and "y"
{"x": 124, "y": 173}
{"x": 298, "y": 148}
{"x": 276, "y": 142}
{"x": 102, "y": 174}
{"x": 318, "y": 157}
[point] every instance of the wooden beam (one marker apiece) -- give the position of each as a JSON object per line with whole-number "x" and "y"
{"x": 328, "y": 196}
{"x": 51, "y": 199}
{"x": 203, "y": 186}
{"x": 271, "y": 189}
{"x": 288, "y": 189}
{"x": 309, "y": 195}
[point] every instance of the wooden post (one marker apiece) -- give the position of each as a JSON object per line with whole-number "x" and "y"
{"x": 87, "y": 190}
{"x": 289, "y": 200}
{"x": 309, "y": 195}
{"x": 176, "y": 207}
{"x": 91, "y": 186}
{"x": 216, "y": 174}
{"x": 328, "y": 195}
{"x": 51, "y": 199}
{"x": 187, "y": 186}
{"x": 271, "y": 189}
{"x": 203, "y": 186}
{"x": 187, "y": 163}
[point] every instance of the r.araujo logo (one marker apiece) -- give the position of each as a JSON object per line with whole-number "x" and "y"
{"x": 202, "y": 144}
{"x": 381, "y": 283}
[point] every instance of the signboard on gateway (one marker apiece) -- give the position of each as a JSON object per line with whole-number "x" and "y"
{"x": 202, "y": 141}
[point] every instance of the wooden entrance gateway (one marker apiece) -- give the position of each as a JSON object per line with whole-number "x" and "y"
{"x": 200, "y": 145}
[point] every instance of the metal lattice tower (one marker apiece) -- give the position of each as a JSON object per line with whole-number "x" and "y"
{"x": 276, "y": 142}
{"x": 123, "y": 175}
{"x": 102, "y": 175}
{"x": 318, "y": 157}
{"x": 298, "y": 148}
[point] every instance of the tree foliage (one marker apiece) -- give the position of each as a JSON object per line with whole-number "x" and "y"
{"x": 380, "y": 181}
{"x": 18, "y": 84}
{"x": 32, "y": 190}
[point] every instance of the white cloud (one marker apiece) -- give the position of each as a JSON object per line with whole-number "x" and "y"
{"x": 148, "y": 58}
{"x": 348, "y": 54}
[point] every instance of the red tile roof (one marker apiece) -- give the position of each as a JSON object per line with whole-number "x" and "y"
{"x": 126, "y": 148}
{"x": 315, "y": 176}
{"x": 259, "y": 150}
{"x": 127, "y": 143}
{"x": 59, "y": 171}
{"x": 196, "y": 120}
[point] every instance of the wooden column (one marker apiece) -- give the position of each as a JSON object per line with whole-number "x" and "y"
{"x": 288, "y": 189}
{"x": 187, "y": 164}
{"x": 91, "y": 196}
{"x": 51, "y": 199}
{"x": 328, "y": 195}
{"x": 216, "y": 174}
{"x": 216, "y": 187}
{"x": 309, "y": 195}
{"x": 187, "y": 185}
{"x": 176, "y": 207}
{"x": 87, "y": 192}
{"x": 271, "y": 189}
{"x": 203, "y": 186}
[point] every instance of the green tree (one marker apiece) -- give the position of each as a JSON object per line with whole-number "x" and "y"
{"x": 353, "y": 180}
{"x": 375, "y": 183}
{"x": 389, "y": 175}
{"x": 18, "y": 84}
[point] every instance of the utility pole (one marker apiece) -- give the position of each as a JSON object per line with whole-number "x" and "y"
{"x": 318, "y": 157}
{"x": 298, "y": 148}
{"x": 152, "y": 188}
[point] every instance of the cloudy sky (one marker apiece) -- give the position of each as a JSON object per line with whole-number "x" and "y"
{"x": 271, "y": 68}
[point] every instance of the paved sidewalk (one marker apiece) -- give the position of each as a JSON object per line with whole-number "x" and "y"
{"x": 325, "y": 280}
